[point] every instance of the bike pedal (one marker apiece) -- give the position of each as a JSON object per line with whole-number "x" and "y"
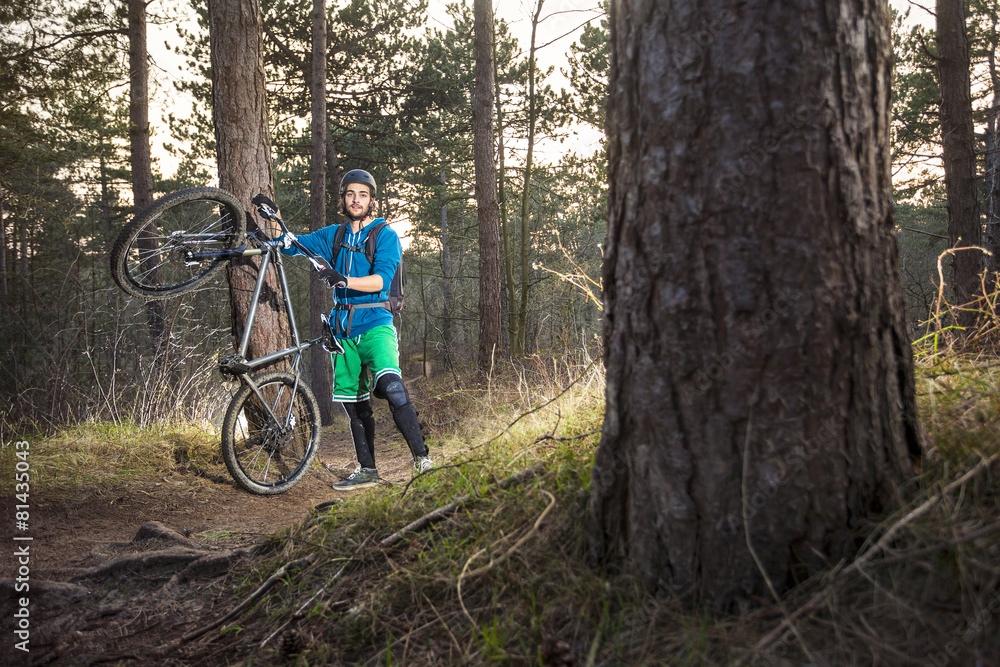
{"x": 233, "y": 365}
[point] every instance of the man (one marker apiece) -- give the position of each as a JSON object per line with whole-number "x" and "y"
{"x": 363, "y": 324}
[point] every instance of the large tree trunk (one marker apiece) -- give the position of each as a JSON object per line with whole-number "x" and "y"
{"x": 991, "y": 238}
{"x": 320, "y": 369}
{"x": 140, "y": 153}
{"x": 518, "y": 342}
{"x": 243, "y": 148}
{"x": 759, "y": 376}
{"x": 958, "y": 151}
{"x": 486, "y": 188}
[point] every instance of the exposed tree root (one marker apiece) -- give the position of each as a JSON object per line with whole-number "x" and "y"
{"x": 250, "y": 601}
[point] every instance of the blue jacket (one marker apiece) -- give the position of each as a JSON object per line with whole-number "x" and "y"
{"x": 388, "y": 253}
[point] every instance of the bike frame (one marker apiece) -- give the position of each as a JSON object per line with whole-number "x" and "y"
{"x": 238, "y": 364}
{"x": 269, "y": 251}
{"x": 271, "y": 424}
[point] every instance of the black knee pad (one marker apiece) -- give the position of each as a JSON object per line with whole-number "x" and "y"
{"x": 392, "y": 388}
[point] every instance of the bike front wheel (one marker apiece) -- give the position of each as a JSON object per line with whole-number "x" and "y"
{"x": 174, "y": 244}
{"x": 270, "y": 436}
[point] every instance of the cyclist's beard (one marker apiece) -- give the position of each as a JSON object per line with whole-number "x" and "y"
{"x": 356, "y": 218}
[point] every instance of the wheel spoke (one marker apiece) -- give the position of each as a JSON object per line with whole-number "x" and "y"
{"x": 153, "y": 257}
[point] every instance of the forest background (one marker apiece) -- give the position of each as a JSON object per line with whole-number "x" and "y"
{"x": 400, "y": 102}
{"x": 399, "y": 88}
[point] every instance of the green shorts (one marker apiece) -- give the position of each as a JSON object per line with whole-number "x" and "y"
{"x": 366, "y": 358}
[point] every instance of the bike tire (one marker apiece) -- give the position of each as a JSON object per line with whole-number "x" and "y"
{"x": 262, "y": 455}
{"x": 151, "y": 256}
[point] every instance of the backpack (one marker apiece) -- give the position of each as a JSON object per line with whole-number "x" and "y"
{"x": 396, "y": 296}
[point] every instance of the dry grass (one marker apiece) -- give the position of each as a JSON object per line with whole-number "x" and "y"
{"x": 91, "y": 453}
{"x": 506, "y": 579}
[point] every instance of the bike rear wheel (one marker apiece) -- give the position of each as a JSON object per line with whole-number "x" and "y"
{"x": 270, "y": 440}
{"x": 162, "y": 251}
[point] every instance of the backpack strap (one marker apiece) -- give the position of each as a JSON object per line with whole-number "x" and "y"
{"x": 338, "y": 240}
{"x": 369, "y": 251}
{"x": 370, "y": 242}
{"x": 338, "y": 243}
{"x": 350, "y": 308}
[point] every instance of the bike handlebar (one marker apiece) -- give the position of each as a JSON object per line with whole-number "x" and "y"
{"x": 269, "y": 210}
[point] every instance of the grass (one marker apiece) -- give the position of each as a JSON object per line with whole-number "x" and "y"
{"x": 104, "y": 453}
{"x": 506, "y": 579}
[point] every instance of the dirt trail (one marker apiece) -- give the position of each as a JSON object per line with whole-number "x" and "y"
{"x": 80, "y": 537}
{"x": 74, "y": 529}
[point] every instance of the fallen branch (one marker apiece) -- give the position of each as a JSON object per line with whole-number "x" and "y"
{"x": 436, "y": 469}
{"x": 986, "y": 531}
{"x": 919, "y": 511}
{"x": 459, "y": 588}
{"x": 567, "y": 438}
{"x": 444, "y": 512}
{"x": 517, "y": 545}
{"x": 542, "y": 405}
{"x": 300, "y": 612}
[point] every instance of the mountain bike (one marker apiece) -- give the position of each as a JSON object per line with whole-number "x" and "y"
{"x": 271, "y": 428}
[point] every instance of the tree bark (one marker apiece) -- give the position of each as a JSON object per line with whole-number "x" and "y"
{"x": 141, "y": 160}
{"x": 243, "y": 149}
{"x": 333, "y": 174}
{"x": 486, "y": 188}
{"x": 507, "y": 244}
{"x": 320, "y": 375}
{"x": 447, "y": 291}
{"x": 519, "y": 342}
{"x": 140, "y": 153}
{"x": 4, "y": 294}
{"x": 759, "y": 375}
{"x": 991, "y": 238}
{"x": 958, "y": 152}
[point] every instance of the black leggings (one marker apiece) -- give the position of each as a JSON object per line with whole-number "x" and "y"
{"x": 390, "y": 387}
{"x": 362, "y": 431}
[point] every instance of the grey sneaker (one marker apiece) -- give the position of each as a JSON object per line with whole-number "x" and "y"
{"x": 423, "y": 463}
{"x": 362, "y": 478}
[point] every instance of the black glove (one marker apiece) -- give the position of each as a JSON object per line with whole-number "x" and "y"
{"x": 264, "y": 199}
{"x": 333, "y": 278}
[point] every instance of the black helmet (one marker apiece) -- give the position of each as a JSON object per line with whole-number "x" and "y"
{"x": 358, "y": 176}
